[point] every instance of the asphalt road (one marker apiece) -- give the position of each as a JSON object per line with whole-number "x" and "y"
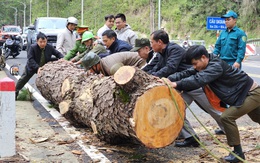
{"x": 137, "y": 153}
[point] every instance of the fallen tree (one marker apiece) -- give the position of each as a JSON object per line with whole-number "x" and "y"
{"x": 131, "y": 105}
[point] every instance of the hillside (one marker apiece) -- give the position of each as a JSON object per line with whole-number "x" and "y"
{"x": 178, "y": 17}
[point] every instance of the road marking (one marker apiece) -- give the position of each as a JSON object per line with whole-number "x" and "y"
{"x": 251, "y": 64}
{"x": 254, "y": 75}
{"x": 90, "y": 150}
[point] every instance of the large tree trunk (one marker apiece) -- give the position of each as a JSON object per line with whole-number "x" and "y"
{"x": 131, "y": 105}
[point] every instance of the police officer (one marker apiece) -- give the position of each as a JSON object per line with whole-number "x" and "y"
{"x": 231, "y": 44}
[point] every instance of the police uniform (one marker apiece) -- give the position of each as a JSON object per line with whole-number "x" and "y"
{"x": 79, "y": 47}
{"x": 231, "y": 45}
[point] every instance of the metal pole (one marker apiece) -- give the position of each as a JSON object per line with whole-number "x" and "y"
{"x": 15, "y": 15}
{"x": 47, "y": 8}
{"x": 24, "y": 15}
{"x": 24, "y": 9}
{"x": 82, "y": 7}
{"x": 30, "y": 12}
{"x": 159, "y": 14}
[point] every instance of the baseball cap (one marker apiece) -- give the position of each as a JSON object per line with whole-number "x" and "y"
{"x": 139, "y": 43}
{"x": 229, "y": 14}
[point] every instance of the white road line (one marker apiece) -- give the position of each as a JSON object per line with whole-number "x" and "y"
{"x": 91, "y": 151}
{"x": 254, "y": 75}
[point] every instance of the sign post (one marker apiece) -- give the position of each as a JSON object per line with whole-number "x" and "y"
{"x": 216, "y": 23}
{"x": 7, "y": 117}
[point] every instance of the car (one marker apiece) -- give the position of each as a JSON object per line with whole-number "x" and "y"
{"x": 7, "y": 30}
{"x": 50, "y": 26}
{"x": 24, "y": 37}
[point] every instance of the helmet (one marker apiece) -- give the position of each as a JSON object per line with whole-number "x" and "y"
{"x": 86, "y": 36}
{"x": 90, "y": 60}
{"x": 81, "y": 29}
{"x": 72, "y": 20}
{"x": 14, "y": 70}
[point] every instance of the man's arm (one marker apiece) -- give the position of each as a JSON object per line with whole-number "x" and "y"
{"x": 217, "y": 48}
{"x": 175, "y": 56}
{"x": 59, "y": 43}
{"x": 241, "y": 47}
{"x": 31, "y": 63}
{"x": 132, "y": 38}
{"x": 72, "y": 53}
{"x": 201, "y": 78}
{"x": 57, "y": 54}
{"x": 81, "y": 55}
{"x": 183, "y": 74}
{"x": 148, "y": 68}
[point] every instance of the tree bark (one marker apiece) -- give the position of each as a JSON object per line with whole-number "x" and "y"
{"x": 131, "y": 105}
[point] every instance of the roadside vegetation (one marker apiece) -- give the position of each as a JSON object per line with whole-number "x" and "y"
{"x": 178, "y": 17}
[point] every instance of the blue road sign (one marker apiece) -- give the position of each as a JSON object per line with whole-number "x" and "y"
{"x": 216, "y": 23}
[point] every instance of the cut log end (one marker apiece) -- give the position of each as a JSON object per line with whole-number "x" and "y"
{"x": 124, "y": 75}
{"x": 64, "y": 106}
{"x": 65, "y": 87}
{"x": 156, "y": 117}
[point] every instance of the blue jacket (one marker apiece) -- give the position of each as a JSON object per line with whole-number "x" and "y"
{"x": 231, "y": 46}
{"x": 230, "y": 84}
{"x": 171, "y": 60}
{"x": 34, "y": 56}
{"x": 119, "y": 46}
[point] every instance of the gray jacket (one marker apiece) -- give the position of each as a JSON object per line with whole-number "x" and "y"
{"x": 127, "y": 58}
{"x": 127, "y": 34}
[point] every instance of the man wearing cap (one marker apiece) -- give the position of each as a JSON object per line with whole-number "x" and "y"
{"x": 231, "y": 44}
{"x": 170, "y": 59}
{"x": 79, "y": 46}
{"x": 108, "y": 65}
{"x": 143, "y": 47}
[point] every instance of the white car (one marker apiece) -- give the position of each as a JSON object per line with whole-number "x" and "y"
{"x": 24, "y": 38}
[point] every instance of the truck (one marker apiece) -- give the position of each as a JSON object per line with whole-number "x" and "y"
{"x": 50, "y": 26}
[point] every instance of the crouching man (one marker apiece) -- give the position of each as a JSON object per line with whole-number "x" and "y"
{"x": 233, "y": 86}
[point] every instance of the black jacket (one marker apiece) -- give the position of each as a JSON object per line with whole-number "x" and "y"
{"x": 34, "y": 56}
{"x": 230, "y": 84}
{"x": 171, "y": 60}
{"x": 119, "y": 46}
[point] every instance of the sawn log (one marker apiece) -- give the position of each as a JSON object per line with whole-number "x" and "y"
{"x": 131, "y": 105}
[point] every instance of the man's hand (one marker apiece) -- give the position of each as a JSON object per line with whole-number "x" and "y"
{"x": 237, "y": 65}
{"x": 39, "y": 71}
{"x": 166, "y": 80}
{"x": 78, "y": 63}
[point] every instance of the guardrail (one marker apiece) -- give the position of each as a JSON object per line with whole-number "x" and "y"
{"x": 191, "y": 42}
{"x": 255, "y": 41}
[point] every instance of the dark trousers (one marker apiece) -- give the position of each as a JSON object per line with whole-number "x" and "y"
{"x": 26, "y": 76}
{"x": 251, "y": 107}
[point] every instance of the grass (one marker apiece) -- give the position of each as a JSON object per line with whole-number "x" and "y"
{"x": 25, "y": 95}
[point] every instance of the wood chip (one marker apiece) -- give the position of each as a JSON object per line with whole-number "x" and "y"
{"x": 76, "y": 152}
{"x": 38, "y": 140}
